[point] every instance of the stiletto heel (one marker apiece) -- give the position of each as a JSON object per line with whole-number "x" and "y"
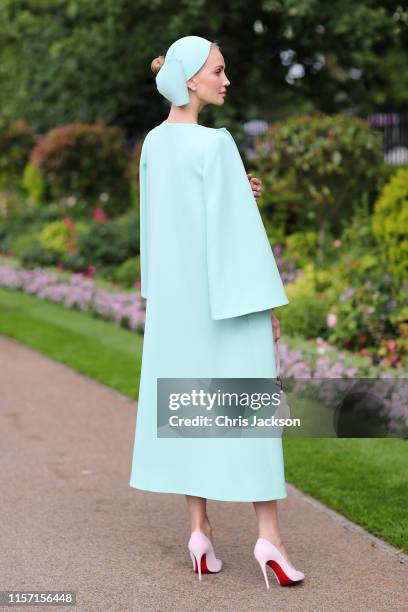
{"x": 263, "y": 568}
{"x": 203, "y": 555}
{"x": 266, "y": 553}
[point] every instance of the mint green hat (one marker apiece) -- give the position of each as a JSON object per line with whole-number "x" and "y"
{"x": 183, "y": 59}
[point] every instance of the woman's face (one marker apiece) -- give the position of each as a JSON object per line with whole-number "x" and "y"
{"x": 210, "y": 83}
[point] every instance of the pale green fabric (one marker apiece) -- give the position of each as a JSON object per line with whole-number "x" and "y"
{"x": 210, "y": 279}
{"x": 183, "y": 60}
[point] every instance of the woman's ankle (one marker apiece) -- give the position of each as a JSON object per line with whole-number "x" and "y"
{"x": 205, "y": 527}
{"x": 272, "y": 536}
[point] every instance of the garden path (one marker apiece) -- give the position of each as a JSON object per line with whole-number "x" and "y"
{"x": 70, "y": 520}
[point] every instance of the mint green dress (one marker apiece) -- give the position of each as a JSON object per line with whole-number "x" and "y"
{"x": 210, "y": 280}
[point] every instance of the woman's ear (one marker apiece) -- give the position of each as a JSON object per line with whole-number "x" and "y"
{"x": 192, "y": 84}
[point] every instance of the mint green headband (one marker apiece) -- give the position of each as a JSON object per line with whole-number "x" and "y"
{"x": 183, "y": 59}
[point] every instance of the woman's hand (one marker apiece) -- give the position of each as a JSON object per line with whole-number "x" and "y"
{"x": 256, "y": 185}
{"x": 275, "y": 326}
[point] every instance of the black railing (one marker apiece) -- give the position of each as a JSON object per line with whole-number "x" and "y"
{"x": 394, "y": 130}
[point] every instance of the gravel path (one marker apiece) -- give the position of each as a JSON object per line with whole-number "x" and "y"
{"x": 70, "y": 521}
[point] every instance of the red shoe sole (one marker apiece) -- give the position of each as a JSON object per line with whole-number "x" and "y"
{"x": 284, "y": 580}
{"x": 204, "y": 568}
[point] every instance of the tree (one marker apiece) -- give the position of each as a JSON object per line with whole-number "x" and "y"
{"x": 79, "y": 60}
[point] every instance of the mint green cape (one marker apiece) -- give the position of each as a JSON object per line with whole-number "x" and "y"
{"x": 210, "y": 280}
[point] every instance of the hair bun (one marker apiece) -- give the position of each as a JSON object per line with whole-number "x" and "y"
{"x": 157, "y": 63}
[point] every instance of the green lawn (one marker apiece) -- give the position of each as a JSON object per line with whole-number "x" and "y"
{"x": 364, "y": 479}
{"x": 97, "y": 348}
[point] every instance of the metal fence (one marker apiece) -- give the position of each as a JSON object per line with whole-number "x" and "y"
{"x": 393, "y": 128}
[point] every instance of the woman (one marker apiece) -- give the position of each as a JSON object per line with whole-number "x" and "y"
{"x": 211, "y": 282}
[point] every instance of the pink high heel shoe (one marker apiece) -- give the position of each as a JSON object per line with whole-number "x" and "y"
{"x": 266, "y": 553}
{"x": 202, "y": 554}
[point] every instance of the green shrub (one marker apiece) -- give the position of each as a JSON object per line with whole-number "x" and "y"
{"x": 16, "y": 143}
{"x": 304, "y": 316}
{"x": 23, "y": 240}
{"x": 129, "y": 272}
{"x": 36, "y": 255}
{"x": 390, "y": 222}
{"x": 34, "y": 184}
{"x": 322, "y": 165}
{"x": 107, "y": 244}
{"x": 14, "y": 225}
{"x": 388, "y": 171}
{"x": 61, "y": 235}
{"x": 55, "y": 236}
{"x": 365, "y": 309}
{"x": 134, "y": 173}
{"x": 315, "y": 282}
{"x": 301, "y": 246}
{"x": 106, "y": 272}
{"x": 87, "y": 162}
{"x": 74, "y": 262}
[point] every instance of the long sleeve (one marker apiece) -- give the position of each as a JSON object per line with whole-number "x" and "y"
{"x": 143, "y": 220}
{"x": 242, "y": 273}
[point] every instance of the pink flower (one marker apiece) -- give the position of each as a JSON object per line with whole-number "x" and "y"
{"x": 90, "y": 271}
{"x": 391, "y": 345}
{"x": 99, "y": 215}
{"x": 331, "y": 320}
{"x": 337, "y": 244}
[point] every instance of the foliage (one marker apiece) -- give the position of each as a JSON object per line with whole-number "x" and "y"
{"x": 128, "y": 273}
{"x": 36, "y": 255}
{"x": 301, "y": 246}
{"x": 326, "y": 162}
{"x": 305, "y": 316}
{"x": 363, "y": 314}
{"x": 16, "y": 143}
{"x": 88, "y": 161}
{"x": 134, "y": 173}
{"x": 22, "y": 216}
{"x": 74, "y": 262}
{"x": 80, "y": 60}
{"x": 315, "y": 282}
{"x": 21, "y": 241}
{"x": 390, "y": 222}
{"x": 60, "y": 236}
{"x": 106, "y": 244}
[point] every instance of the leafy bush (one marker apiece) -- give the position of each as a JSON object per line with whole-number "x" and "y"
{"x": 61, "y": 235}
{"x": 321, "y": 164}
{"x": 363, "y": 315}
{"x": 134, "y": 173}
{"x": 74, "y": 262}
{"x": 304, "y": 316}
{"x": 14, "y": 225}
{"x": 56, "y": 237}
{"x": 108, "y": 243}
{"x": 84, "y": 161}
{"x": 390, "y": 222}
{"x": 36, "y": 255}
{"x": 20, "y": 242}
{"x": 128, "y": 273}
{"x": 16, "y": 143}
{"x": 301, "y": 246}
{"x": 313, "y": 282}
{"x": 129, "y": 226}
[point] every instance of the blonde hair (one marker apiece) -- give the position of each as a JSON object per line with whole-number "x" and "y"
{"x": 158, "y": 62}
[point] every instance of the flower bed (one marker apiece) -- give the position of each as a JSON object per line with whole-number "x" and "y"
{"x": 124, "y": 308}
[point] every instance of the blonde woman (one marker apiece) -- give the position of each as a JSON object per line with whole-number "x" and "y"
{"x": 211, "y": 282}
